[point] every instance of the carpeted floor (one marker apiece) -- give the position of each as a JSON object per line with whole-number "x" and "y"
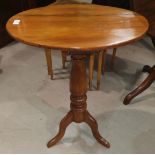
{"x": 32, "y": 105}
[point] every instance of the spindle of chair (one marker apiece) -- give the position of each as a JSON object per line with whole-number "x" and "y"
{"x": 101, "y": 55}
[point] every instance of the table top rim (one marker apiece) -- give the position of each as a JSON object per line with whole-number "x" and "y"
{"x": 96, "y": 48}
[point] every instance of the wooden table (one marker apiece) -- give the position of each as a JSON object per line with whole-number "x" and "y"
{"x": 78, "y": 29}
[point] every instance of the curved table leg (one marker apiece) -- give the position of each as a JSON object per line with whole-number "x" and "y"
{"x": 94, "y": 127}
{"x": 143, "y": 86}
{"x": 62, "y": 128}
{"x": 78, "y": 106}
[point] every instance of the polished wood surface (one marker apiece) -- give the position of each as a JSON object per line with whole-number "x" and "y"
{"x": 78, "y": 27}
{"x": 143, "y": 86}
{"x": 78, "y": 112}
{"x": 63, "y": 53}
{"x": 146, "y": 8}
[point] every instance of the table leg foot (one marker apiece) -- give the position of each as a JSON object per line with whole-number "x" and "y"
{"x": 62, "y": 128}
{"x": 142, "y": 87}
{"x": 94, "y": 127}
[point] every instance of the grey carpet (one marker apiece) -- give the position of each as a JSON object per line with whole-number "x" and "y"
{"x": 32, "y": 105}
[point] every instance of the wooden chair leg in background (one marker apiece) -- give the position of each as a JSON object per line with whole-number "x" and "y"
{"x": 104, "y": 62}
{"x": 113, "y": 58}
{"x": 48, "y": 55}
{"x": 99, "y": 71}
{"x": 91, "y": 69}
{"x": 64, "y": 58}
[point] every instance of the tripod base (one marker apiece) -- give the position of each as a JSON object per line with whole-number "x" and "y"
{"x": 78, "y": 108}
{"x": 68, "y": 119}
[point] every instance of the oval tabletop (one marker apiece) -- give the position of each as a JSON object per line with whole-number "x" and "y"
{"x": 77, "y": 27}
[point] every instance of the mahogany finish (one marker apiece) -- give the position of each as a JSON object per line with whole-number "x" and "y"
{"x": 143, "y": 86}
{"x": 69, "y": 28}
{"x": 78, "y": 112}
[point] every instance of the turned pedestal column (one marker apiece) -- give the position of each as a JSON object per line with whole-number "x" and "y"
{"x": 78, "y": 108}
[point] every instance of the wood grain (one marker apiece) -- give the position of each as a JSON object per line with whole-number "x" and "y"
{"x": 78, "y": 27}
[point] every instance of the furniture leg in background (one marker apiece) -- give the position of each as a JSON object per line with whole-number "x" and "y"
{"x": 91, "y": 69}
{"x": 48, "y": 55}
{"x": 143, "y": 86}
{"x": 63, "y": 53}
{"x": 113, "y": 58}
{"x": 64, "y": 58}
{"x": 99, "y": 69}
{"x": 92, "y": 56}
{"x": 101, "y": 66}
